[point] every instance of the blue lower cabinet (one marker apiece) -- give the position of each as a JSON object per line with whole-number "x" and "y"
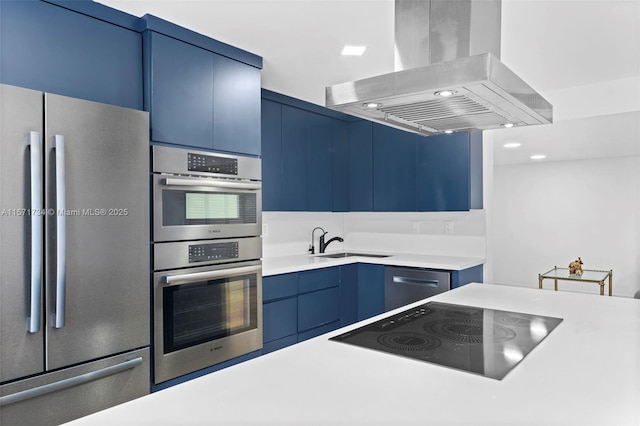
{"x": 280, "y": 319}
{"x": 466, "y": 276}
{"x": 370, "y": 290}
{"x": 274, "y": 345}
{"x": 314, "y": 332}
{"x": 317, "y": 279}
{"x": 348, "y": 294}
{"x": 318, "y": 308}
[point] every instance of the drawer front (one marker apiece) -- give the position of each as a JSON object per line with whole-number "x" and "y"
{"x": 279, "y": 286}
{"x": 305, "y": 335}
{"x": 280, "y": 319}
{"x": 318, "y": 308}
{"x": 318, "y": 279}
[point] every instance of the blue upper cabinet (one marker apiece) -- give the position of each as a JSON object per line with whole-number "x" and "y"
{"x": 200, "y": 92}
{"x": 83, "y": 50}
{"x": 449, "y": 172}
{"x": 360, "y": 166}
{"x": 305, "y": 156}
{"x": 271, "y": 155}
{"x": 394, "y": 167}
{"x": 295, "y": 155}
{"x": 236, "y": 106}
{"x": 181, "y": 101}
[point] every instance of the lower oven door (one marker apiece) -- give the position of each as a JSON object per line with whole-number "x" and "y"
{"x": 204, "y": 316}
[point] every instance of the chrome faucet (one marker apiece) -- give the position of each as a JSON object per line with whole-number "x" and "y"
{"x": 324, "y": 245}
{"x": 312, "y": 248}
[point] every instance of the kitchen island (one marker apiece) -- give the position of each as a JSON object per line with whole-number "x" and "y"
{"x": 585, "y": 372}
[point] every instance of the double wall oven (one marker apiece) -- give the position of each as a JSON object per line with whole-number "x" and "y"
{"x": 207, "y": 279}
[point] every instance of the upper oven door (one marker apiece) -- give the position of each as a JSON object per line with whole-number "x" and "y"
{"x": 192, "y": 208}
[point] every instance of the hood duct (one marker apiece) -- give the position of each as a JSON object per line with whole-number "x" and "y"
{"x": 448, "y": 74}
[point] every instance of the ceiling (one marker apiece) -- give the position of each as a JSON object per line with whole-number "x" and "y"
{"x": 562, "y": 48}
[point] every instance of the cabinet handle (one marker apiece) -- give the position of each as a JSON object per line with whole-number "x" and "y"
{"x": 209, "y": 275}
{"x": 61, "y": 231}
{"x": 35, "y": 148}
{"x": 211, "y": 183}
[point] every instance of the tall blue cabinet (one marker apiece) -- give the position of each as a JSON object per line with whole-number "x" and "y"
{"x": 200, "y": 92}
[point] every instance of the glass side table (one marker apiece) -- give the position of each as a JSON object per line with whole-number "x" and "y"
{"x": 587, "y": 276}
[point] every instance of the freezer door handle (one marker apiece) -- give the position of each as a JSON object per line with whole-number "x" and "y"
{"x": 416, "y": 281}
{"x": 61, "y": 231}
{"x": 72, "y": 381}
{"x": 209, "y": 275}
{"x": 37, "y": 229}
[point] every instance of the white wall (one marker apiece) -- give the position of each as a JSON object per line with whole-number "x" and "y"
{"x": 548, "y": 214}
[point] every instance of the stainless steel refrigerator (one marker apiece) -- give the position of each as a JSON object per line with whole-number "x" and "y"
{"x": 74, "y": 256}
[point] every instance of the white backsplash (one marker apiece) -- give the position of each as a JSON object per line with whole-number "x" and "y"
{"x": 289, "y": 233}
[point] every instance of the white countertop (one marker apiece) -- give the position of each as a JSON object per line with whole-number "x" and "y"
{"x": 296, "y": 263}
{"x": 586, "y": 372}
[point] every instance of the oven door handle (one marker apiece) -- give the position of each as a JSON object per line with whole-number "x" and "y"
{"x": 209, "y": 275}
{"x": 211, "y": 183}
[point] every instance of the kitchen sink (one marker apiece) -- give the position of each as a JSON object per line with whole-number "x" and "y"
{"x": 350, "y": 254}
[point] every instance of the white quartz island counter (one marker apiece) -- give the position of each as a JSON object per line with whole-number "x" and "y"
{"x": 586, "y": 372}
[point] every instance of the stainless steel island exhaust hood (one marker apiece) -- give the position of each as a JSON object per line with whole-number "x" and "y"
{"x": 448, "y": 74}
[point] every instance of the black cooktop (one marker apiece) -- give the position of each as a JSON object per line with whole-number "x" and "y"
{"x": 484, "y": 341}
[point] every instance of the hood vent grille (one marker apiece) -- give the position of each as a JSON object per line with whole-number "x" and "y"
{"x": 438, "y": 115}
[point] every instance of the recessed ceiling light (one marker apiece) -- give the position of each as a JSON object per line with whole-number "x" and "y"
{"x": 448, "y": 131}
{"x": 445, "y": 93}
{"x": 538, "y": 157}
{"x": 372, "y": 105}
{"x": 349, "y": 50}
{"x": 507, "y": 125}
{"x": 512, "y": 145}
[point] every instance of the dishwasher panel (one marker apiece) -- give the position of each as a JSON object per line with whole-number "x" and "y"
{"x": 407, "y": 285}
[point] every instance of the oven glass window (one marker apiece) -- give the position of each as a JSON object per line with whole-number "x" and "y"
{"x": 211, "y": 206}
{"x": 206, "y": 311}
{"x": 180, "y": 207}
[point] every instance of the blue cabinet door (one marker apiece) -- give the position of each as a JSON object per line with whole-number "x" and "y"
{"x": 49, "y": 48}
{"x": 370, "y": 290}
{"x": 280, "y": 319}
{"x": 181, "y": 101}
{"x": 348, "y": 294}
{"x": 466, "y": 276}
{"x": 295, "y": 156}
{"x": 394, "y": 170}
{"x": 236, "y": 106}
{"x": 320, "y": 164}
{"x": 271, "y": 156}
{"x": 317, "y": 279}
{"x": 318, "y": 308}
{"x": 340, "y": 157}
{"x": 360, "y": 166}
{"x": 443, "y": 173}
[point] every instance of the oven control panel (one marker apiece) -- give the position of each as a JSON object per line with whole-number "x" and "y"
{"x": 212, "y": 164}
{"x": 213, "y": 251}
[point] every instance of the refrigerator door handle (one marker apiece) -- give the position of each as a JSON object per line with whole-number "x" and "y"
{"x": 61, "y": 230}
{"x": 72, "y": 381}
{"x": 35, "y": 148}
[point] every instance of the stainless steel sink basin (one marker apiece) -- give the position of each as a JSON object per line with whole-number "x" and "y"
{"x": 349, "y": 254}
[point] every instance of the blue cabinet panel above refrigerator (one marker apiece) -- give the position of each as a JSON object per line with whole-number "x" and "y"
{"x": 84, "y": 55}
